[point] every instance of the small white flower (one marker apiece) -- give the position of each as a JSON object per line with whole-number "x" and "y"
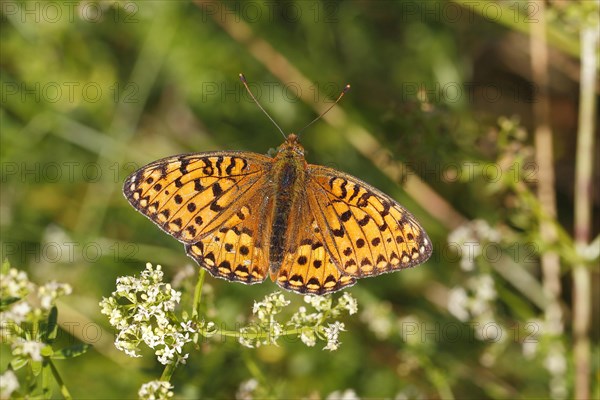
{"x": 467, "y": 263}
{"x": 244, "y": 340}
{"x": 378, "y": 318}
{"x": 485, "y": 289}
{"x": 155, "y": 390}
{"x": 458, "y": 303}
{"x": 320, "y": 303}
{"x": 349, "y": 303}
{"x": 555, "y": 361}
{"x": 332, "y": 332}
{"x": 17, "y": 313}
{"x": 49, "y": 292}
{"x": 14, "y": 284}
{"x": 29, "y": 348}
{"x": 348, "y": 394}
{"x": 246, "y": 389}
{"x": 529, "y": 349}
{"x": 308, "y": 337}
{"x": 470, "y": 238}
{"x": 8, "y": 384}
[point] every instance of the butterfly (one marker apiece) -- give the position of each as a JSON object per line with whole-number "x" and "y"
{"x": 243, "y": 216}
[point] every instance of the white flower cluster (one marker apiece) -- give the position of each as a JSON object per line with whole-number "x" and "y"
{"x": 142, "y": 310}
{"x": 49, "y": 292}
{"x": 26, "y": 306}
{"x": 15, "y": 284}
{"x": 32, "y": 303}
{"x": 28, "y": 348}
{"x": 310, "y": 323}
{"x": 348, "y": 394}
{"x": 471, "y": 238}
{"x": 475, "y": 301}
{"x": 332, "y": 333}
{"x": 378, "y": 316}
{"x": 247, "y": 389}
{"x": 271, "y": 305}
{"x": 156, "y": 390}
{"x": 8, "y": 384}
{"x": 307, "y": 325}
{"x": 267, "y": 329}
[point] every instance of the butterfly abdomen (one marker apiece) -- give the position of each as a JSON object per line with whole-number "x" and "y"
{"x": 289, "y": 173}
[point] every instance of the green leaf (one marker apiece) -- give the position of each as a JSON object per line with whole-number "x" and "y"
{"x": 7, "y": 301}
{"x": 52, "y": 329}
{"x": 47, "y": 351}
{"x": 18, "y": 362}
{"x": 36, "y": 367}
{"x": 71, "y": 351}
{"x": 46, "y": 379}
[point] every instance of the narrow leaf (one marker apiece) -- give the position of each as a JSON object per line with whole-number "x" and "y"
{"x": 52, "y": 328}
{"x": 18, "y": 362}
{"x": 71, "y": 351}
{"x": 5, "y": 302}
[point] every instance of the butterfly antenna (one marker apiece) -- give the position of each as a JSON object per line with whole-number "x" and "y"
{"x": 344, "y": 91}
{"x": 243, "y": 79}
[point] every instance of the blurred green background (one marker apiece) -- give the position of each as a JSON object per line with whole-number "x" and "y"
{"x": 93, "y": 90}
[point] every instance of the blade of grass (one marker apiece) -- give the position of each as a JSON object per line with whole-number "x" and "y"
{"x": 582, "y": 295}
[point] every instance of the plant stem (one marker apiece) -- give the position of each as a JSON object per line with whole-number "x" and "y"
{"x": 46, "y": 373}
{"x": 63, "y": 388}
{"x": 544, "y": 151}
{"x": 583, "y": 210}
{"x": 168, "y": 372}
{"x": 198, "y": 294}
{"x": 255, "y": 335}
{"x": 254, "y": 369}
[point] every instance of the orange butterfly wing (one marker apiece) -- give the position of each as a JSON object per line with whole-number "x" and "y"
{"x": 221, "y": 205}
{"x": 369, "y": 232}
{"x": 345, "y": 229}
{"x": 211, "y": 202}
{"x": 308, "y": 265}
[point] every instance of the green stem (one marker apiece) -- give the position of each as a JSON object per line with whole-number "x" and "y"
{"x": 255, "y": 370}
{"x": 253, "y": 335}
{"x": 436, "y": 377}
{"x": 198, "y": 294}
{"x": 168, "y": 372}
{"x": 582, "y": 279}
{"x": 46, "y": 373}
{"x": 63, "y": 388}
{"x": 564, "y": 240}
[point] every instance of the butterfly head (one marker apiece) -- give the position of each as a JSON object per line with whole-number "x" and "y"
{"x": 291, "y": 146}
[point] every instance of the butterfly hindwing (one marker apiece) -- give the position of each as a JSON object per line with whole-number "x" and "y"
{"x": 235, "y": 251}
{"x": 308, "y": 266}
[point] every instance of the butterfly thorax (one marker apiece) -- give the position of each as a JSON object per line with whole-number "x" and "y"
{"x": 288, "y": 177}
